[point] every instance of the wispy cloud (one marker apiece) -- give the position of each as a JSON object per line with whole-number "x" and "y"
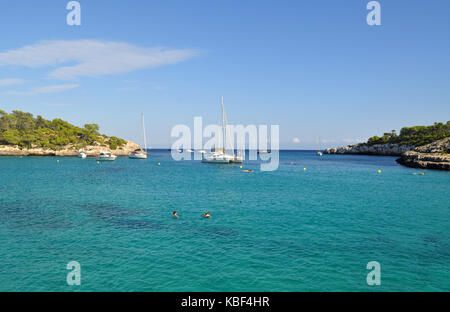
{"x": 44, "y": 90}
{"x": 92, "y": 58}
{"x": 10, "y": 82}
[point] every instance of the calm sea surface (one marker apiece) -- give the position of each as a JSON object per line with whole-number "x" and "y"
{"x": 287, "y": 230}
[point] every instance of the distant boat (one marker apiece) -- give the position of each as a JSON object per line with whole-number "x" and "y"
{"x": 138, "y": 154}
{"x": 141, "y": 153}
{"x": 82, "y": 155}
{"x": 319, "y": 152}
{"x": 106, "y": 156}
{"x": 219, "y": 155}
{"x": 263, "y": 152}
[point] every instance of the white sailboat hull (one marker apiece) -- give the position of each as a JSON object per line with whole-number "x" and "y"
{"x": 110, "y": 158}
{"x": 140, "y": 153}
{"x": 138, "y": 156}
{"x": 220, "y": 158}
{"x": 106, "y": 157}
{"x": 219, "y": 155}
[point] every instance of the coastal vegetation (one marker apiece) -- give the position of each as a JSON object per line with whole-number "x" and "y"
{"x": 26, "y": 131}
{"x": 415, "y": 136}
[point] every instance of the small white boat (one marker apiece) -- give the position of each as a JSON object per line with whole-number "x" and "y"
{"x": 202, "y": 151}
{"x": 106, "y": 156}
{"x": 221, "y": 158}
{"x": 189, "y": 151}
{"x": 82, "y": 155}
{"x": 319, "y": 152}
{"x": 140, "y": 153}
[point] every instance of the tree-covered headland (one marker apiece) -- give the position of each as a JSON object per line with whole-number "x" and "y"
{"x": 26, "y": 131}
{"x": 417, "y": 136}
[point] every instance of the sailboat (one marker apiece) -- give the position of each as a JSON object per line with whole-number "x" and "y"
{"x": 219, "y": 155}
{"x": 140, "y": 153}
{"x": 319, "y": 152}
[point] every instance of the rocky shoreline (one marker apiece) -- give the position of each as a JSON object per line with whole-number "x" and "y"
{"x": 377, "y": 149}
{"x": 68, "y": 151}
{"x": 432, "y": 156}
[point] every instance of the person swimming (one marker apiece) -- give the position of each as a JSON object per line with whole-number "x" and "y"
{"x": 175, "y": 214}
{"x": 207, "y": 215}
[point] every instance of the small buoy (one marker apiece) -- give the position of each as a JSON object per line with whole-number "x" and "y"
{"x": 57, "y": 160}
{"x": 98, "y": 162}
{"x": 240, "y": 167}
{"x": 379, "y": 171}
{"x": 304, "y": 169}
{"x": 159, "y": 164}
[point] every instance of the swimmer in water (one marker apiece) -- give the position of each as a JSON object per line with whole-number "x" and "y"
{"x": 207, "y": 215}
{"x": 175, "y": 214}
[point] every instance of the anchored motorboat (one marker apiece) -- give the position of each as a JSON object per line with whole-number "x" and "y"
{"x": 106, "y": 156}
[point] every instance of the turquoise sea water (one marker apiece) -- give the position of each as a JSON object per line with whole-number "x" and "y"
{"x": 287, "y": 230}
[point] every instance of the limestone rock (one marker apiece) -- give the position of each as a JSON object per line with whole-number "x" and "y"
{"x": 431, "y": 156}
{"x": 365, "y": 149}
{"x": 68, "y": 151}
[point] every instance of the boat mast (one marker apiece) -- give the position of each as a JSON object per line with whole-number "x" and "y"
{"x": 143, "y": 131}
{"x": 224, "y": 127}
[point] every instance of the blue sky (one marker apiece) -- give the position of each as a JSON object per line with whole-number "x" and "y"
{"x": 313, "y": 67}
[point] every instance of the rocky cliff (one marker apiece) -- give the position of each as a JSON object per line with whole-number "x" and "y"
{"x": 91, "y": 151}
{"x": 431, "y": 156}
{"x": 366, "y": 149}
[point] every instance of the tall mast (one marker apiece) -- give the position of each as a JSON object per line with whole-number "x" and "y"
{"x": 143, "y": 131}
{"x": 224, "y": 129}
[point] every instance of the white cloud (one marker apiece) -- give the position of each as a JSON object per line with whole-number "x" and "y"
{"x": 44, "y": 90}
{"x": 296, "y": 140}
{"x": 92, "y": 58}
{"x": 10, "y": 82}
